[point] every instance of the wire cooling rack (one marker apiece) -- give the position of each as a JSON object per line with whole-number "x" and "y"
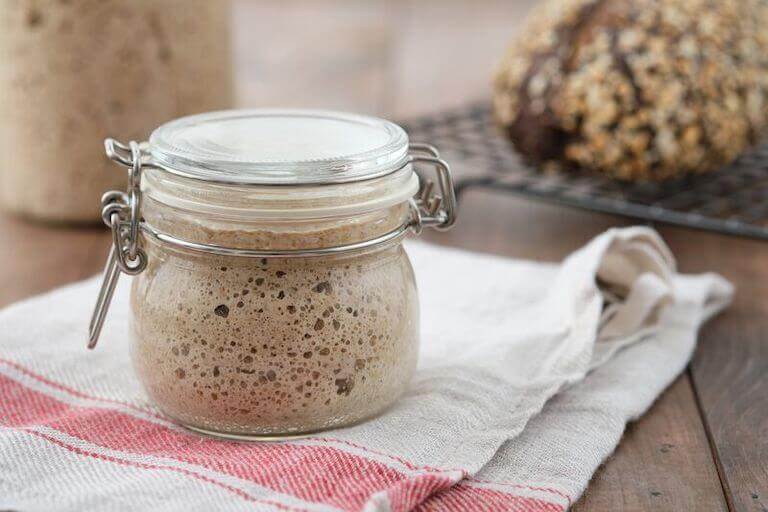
{"x": 733, "y": 200}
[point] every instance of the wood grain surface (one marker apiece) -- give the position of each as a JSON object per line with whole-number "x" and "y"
{"x": 730, "y": 367}
{"x": 704, "y": 445}
{"x": 663, "y": 463}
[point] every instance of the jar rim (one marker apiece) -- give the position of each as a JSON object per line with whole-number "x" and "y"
{"x": 278, "y": 147}
{"x": 251, "y": 202}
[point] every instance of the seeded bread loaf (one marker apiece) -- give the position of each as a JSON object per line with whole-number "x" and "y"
{"x": 638, "y": 90}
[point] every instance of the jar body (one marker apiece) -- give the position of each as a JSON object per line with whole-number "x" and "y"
{"x": 75, "y": 71}
{"x": 268, "y": 346}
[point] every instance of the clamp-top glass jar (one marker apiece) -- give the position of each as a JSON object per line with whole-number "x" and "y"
{"x": 272, "y": 293}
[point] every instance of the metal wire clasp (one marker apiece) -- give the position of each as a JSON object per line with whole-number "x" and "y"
{"x": 121, "y": 212}
{"x": 430, "y": 208}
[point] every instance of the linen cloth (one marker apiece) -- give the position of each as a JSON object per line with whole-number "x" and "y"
{"x": 528, "y": 373}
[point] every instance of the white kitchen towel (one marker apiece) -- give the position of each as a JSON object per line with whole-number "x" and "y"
{"x": 608, "y": 329}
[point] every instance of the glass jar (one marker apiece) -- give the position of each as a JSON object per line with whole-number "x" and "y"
{"x": 75, "y": 70}
{"x": 272, "y": 293}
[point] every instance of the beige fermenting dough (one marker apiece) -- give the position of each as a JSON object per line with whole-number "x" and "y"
{"x": 266, "y": 346}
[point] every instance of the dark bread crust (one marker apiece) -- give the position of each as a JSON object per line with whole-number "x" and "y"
{"x": 538, "y": 134}
{"x": 642, "y": 90}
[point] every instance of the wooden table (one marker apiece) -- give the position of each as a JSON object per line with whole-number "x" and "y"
{"x": 704, "y": 445}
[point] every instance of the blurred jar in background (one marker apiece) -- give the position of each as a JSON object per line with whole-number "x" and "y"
{"x": 74, "y": 71}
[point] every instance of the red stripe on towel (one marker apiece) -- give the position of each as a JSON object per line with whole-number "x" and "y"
{"x": 147, "y": 410}
{"x": 318, "y": 474}
{"x": 464, "y": 498}
{"x": 80, "y": 451}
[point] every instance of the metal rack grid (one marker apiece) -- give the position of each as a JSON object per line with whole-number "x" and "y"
{"x": 732, "y": 200}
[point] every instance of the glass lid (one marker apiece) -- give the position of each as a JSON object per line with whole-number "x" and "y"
{"x": 279, "y": 147}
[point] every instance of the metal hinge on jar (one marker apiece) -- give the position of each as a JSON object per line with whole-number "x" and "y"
{"x": 429, "y": 208}
{"x": 121, "y": 212}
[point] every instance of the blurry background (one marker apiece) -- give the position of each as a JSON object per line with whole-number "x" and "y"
{"x": 74, "y": 73}
{"x": 393, "y": 58}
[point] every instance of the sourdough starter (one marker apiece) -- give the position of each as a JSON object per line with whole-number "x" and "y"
{"x": 274, "y": 345}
